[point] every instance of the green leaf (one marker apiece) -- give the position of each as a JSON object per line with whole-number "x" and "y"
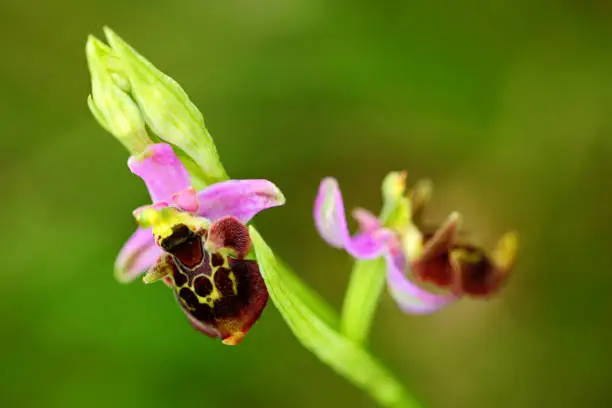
{"x": 300, "y": 310}
{"x": 361, "y": 299}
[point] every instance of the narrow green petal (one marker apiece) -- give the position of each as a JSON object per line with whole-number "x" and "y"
{"x": 396, "y": 211}
{"x": 343, "y": 355}
{"x": 361, "y": 299}
{"x": 167, "y": 109}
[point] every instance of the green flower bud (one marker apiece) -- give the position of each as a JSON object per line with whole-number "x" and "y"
{"x": 167, "y": 109}
{"x": 112, "y": 107}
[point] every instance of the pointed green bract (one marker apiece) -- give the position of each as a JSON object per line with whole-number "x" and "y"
{"x": 361, "y": 299}
{"x": 343, "y": 355}
{"x": 167, "y": 109}
{"x": 112, "y": 107}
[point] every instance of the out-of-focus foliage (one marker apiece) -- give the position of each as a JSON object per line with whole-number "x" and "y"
{"x": 507, "y": 106}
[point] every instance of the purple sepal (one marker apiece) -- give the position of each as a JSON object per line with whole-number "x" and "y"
{"x": 136, "y": 256}
{"x": 242, "y": 199}
{"x": 161, "y": 170}
{"x": 330, "y": 220}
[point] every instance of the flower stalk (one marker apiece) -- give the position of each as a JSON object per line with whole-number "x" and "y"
{"x": 193, "y": 235}
{"x": 129, "y": 96}
{"x": 362, "y": 297}
{"x": 335, "y": 349}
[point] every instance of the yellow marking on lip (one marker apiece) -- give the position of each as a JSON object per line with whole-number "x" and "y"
{"x": 162, "y": 220}
{"x": 211, "y": 297}
{"x": 232, "y": 277}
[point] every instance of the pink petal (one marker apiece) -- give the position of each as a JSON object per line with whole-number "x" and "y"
{"x": 409, "y": 297}
{"x": 136, "y": 256}
{"x": 187, "y": 200}
{"x": 329, "y": 216}
{"x": 239, "y": 198}
{"x": 366, "y": 220}
{"x": 330, "y": 221}
{"x": 367, "y": 245}
{"x": 161, "y": 170}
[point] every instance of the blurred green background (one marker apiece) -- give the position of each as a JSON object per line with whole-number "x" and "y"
{"x": 506, "y": 105}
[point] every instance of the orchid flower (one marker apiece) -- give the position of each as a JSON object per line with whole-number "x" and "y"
{"x": 412, "y": 255}
{"x": 193, "y": 235}
{"x": 197, "y": 242}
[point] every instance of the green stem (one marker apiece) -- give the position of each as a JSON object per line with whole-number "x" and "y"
{"x": 319, "y": 329}
{"x": 361, "y": 299}
{"x": 300, "y": 307}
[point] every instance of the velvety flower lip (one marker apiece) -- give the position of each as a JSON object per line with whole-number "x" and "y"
{"x": 462, "y": 268}
{"x": 169, "y": 184}
{"x": 372, "y": 241}
{"x": 221, "y": 292}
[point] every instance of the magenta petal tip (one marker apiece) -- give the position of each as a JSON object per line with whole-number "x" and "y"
{"x": 330, "y": 221}
{"x": 242, "y": 199}
{"x": 329, "y": 216}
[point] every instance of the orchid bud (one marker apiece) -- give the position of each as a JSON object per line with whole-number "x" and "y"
{"x": 110, "y": 104}
{"x": 167, "y": 109}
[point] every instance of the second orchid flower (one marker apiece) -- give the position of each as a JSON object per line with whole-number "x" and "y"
{"x": 412, "y": 255}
